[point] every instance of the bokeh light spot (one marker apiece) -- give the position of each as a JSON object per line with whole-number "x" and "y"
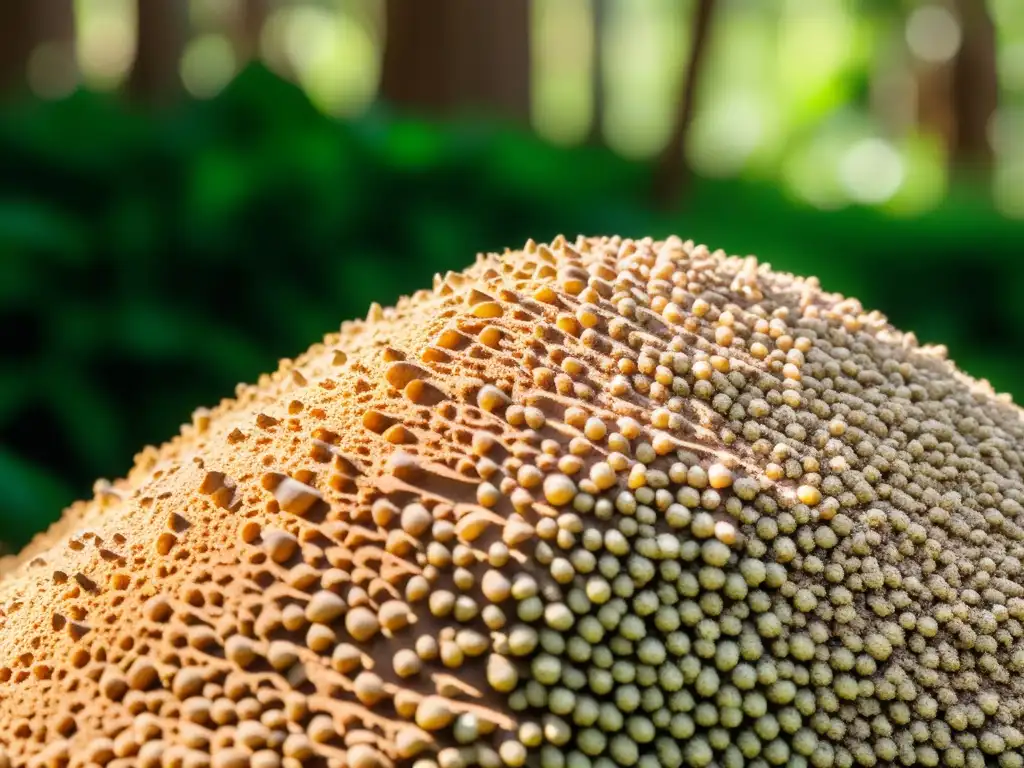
{"x": 561, "y": 70}
{"x": 334, "y": 55}
{"x": 726, "y": 134}
{"x": 871, "y": 171}
{"x": 1008, "y": 188}
{"x": 1005, "y": 131}
{"x": 52, "y": 72}
{"x": 207, "y": 65}
{"x": 645, "y": 46}
{"x": 105, "y": 41}
{"x": 933, "y": 34}
{"x": 1011, "y": 66}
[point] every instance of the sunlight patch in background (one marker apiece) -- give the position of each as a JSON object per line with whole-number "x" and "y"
{"x": 211, "y": 58}
{"x": 562, "y": 69}
{"x": 871, "y": 171}
{"x": 644, "y": 47}
{"x": 925, "y": 176}
{"x": 818, "y": 49}
{"x": 207, "y": 65}
{"x": 733, "y": 124}
{"x": 727, "y": 133}
{"x": 933, "y": 34}
{"x": 333, "y": 51}
{"x": 1008, "y": 184}
{"x": 810, "y": 172}
{"x": 1009, "y": 189}
{"x": 105, "y": 41}
{"x": 52, "y": 71}
{"x": 1011, "y": 67}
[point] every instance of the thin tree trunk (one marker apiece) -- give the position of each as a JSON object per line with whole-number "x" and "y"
{"x": 24, "y": 26}
{"x": 16, "y": 43}
{"x": 975, "y": 87}
{"x": 935, "y": 114}
{"x": 252, "y": 15}
{"x": 54, "y": 22}
{"x": 672, "y": 174}
{"x": 412, "y": 72}
{"x": 497, "y": 36}
{"x": 443, "y": 56}
{"x": 162, "y": 31}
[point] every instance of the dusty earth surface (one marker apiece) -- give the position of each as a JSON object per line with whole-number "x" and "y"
{"x": 596, "y": 502}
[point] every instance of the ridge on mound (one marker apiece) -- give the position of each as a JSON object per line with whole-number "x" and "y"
{"x": 594, "y": 503}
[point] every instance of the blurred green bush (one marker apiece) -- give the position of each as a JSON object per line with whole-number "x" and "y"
{"x": 148, "y": 263}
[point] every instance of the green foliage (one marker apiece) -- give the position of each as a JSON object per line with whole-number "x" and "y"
{"x": 149, "y": 263}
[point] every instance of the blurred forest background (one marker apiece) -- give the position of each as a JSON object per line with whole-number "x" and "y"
{"x": 193, "y": 189}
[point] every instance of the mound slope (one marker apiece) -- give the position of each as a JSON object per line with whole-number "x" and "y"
{"x": 592, "y": 503}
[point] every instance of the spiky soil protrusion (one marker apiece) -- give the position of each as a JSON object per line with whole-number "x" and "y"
{"x": 598, "y": 503}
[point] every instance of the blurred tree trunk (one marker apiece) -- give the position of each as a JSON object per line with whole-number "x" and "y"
{"x": 957, "y": 99}
{"x": 252, "y": 15}
{"x": 672, "y": 174}
{"x": 24, "y": 26}
{"x": 16, "y": 43}
{"x": 412, "y": 71}
{"x": 162, "y": 32}
{"x": 55, "y": 25}
{"x": 935, "y": 102}
{"x": 441, "y": 56}
{"x": 975, "y": 86}
{"x": 54, "y": 21}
